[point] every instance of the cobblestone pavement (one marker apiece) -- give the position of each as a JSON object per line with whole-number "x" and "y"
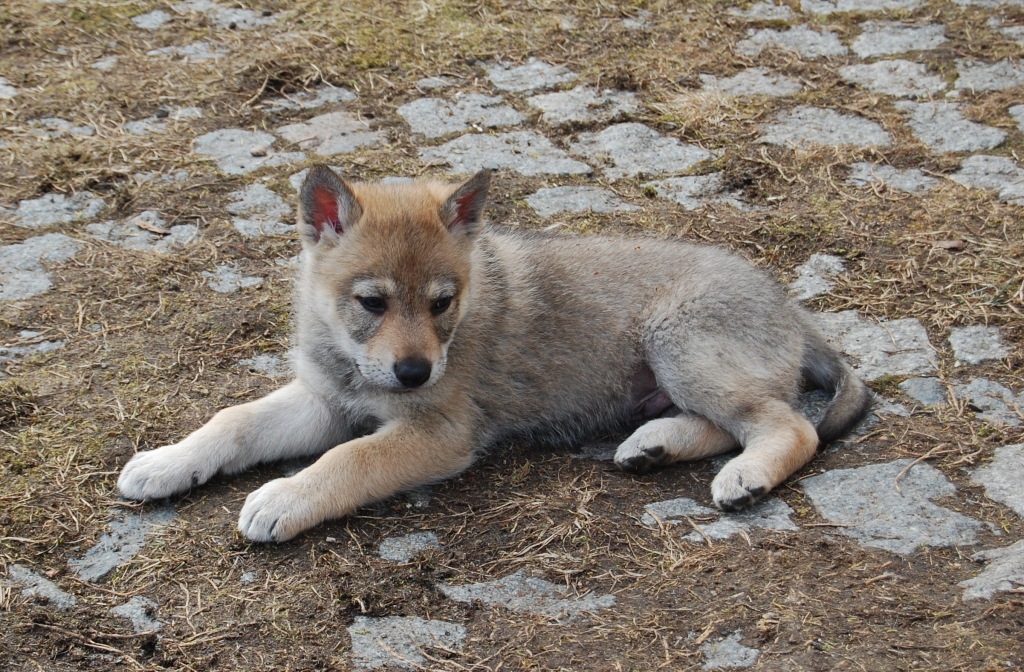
{"x": 868, "y": 153}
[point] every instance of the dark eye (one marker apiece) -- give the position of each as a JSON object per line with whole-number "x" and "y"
{"x": 373, "y": 304}
{"x": 441, "y": 305}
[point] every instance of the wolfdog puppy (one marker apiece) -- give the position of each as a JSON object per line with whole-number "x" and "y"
{"x": 424, "y": 336}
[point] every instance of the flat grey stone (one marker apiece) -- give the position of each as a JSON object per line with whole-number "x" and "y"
{"x": 35, "y": 213}
{"x": 883, "y": 348}
{"x": 925, "y": 391}
{"x": 232, "y": 150}
{"x": 806, "y": 126}
{"x": 106, "y": 64}
{"x": 259, "y": 211}
{"x": 554, "y": 200}
{"x": 36, "y": 586}
{"x": 641, "y": 21}
{"x": 990, "y": 4}
{"x": 125, "y": 537}
{"x": 7, "y": 91}
{"x": 584, "y": 104}
{"x": 894, "y": 77}
{"x": 435, "y": 117}
{"x": 139, "y": 610}
{"x": 11, "y": 353}
{"x": 815, "y": 276}
{"x": 696, "y": 191}
{"x": 524, "y": 152}
{"x": 868, "y": 505}
{"x": 197, "y": 52}
{"x": 992, "y": 172}
{"x": 434, "y": 83}
{"x": 728, "y": 653}
{"x": 828, "y": 7}
{"x": 909, "y": 180}
{"x": 1004, "y": 573}
{"x": 768, "y": 514}
{"x": 156, "y": 124}
{"x": 23, "y": 271}
{"x": 1015, "y": 33}
{"x": 228, "y": 18}
{"x": 55, "y": 127}
{"x": 309, "y": 100}
{"x": 140, "y": 233}
{"x": 399, "y": 640}
{"x": 532, "y": 75}
{"x": 1003, "y": 476}
{"x": 942, "y": 127}
{"x": 976, "y": 344}
{"x": 247, "y": 578}
{"x": 331, "y": 133}
{"x": 525, "y": 594}
{"x": 993, "y": 402}
{"x": 404, "y": 549}
{"x": 227, "y": 279}
{"x": 752, "y": 82}
{"x": 883, "y": 38}
{"x": 975, "y": 76}
{"x": 763, "y": 11}
{"x": 151, "y": 20}
{"x": 629, "y": 150}
{"x": 801, "y": 39}
{"x": 1017, "y": 112}
{"x": 269, "y": 365}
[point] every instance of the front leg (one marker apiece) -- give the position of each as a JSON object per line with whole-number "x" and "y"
{"x": 399, "y": 456}
{"x": 291, "y": 422}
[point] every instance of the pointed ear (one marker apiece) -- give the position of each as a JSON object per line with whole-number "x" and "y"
{"x": 464, "y": 209}
{"x": 327, "y": 207}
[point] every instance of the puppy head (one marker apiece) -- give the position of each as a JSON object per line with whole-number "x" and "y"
{"x": 387, "y": 269}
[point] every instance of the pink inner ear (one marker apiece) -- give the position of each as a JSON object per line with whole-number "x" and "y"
{"x": 326, "y": 209}
{"x": 462, "y": 210}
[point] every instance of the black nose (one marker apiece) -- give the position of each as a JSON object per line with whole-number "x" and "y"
{"x": 412, "y": 371}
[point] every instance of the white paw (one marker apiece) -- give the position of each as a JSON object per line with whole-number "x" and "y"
{"x": 163, "y": 472}
{"x": 738, "y": 485}
{"x": 277, "y": 512}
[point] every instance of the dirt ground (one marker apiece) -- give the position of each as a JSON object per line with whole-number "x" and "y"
{"x": 150, "y": 351}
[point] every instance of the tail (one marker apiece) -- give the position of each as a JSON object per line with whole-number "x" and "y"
{"x": 851, "y": 398}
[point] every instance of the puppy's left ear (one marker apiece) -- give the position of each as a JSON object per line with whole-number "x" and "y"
{"x": 463, "y": 212}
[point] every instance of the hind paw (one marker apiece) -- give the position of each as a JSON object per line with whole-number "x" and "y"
{"x": 735, "y": 488}
{"x": 640, "y": 460}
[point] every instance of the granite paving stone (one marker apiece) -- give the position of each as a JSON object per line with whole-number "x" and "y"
{"x": 437, "y": 117}
{"x": 894, "y": 77}
{"x": 310, "y": 100}
{"x": 55, "y": 127}
{"x": 806, "y": 126}
{"x": 976, "y": 344}
{"x": 23, "y": 266}
{"x": 993, "y": 402}
{"x": 752, "y": 82}
{"x": 554, "y": 200}
{"x": 763, "y": 11}
{"x": 33, "y": 346}
{"x": 884, "y": 38}
{"x": 145, "y": 232}
{"x": 152, "y": 21}
{"x": 943, "y": 128}
{"x": 1005, "y": 572}
{"x": 226, "y": 278}
{"x": 584, "y": 104}
{"x": 1003, "y": 476}
{"x": 520, "y": 592}
{"x": 106, "y": 64}
{"x": 803, "y": 40}
{"x": 36, "y": 213}
{"x": 977, "y": 76}
{"x": 523, "y": 152}
{"x": 882, "y": 348}
{"x": 829, "y": 7}
{"x": 125, "y": 537}
{"x": 815, "y": 276}
{"x": 992, "y": 172}
{"x": 226, "y": 17}
{"x": 1017, "y": 112}
{"x": 889, "y": 506}
{"x": 728, "y": 653}
{"x": 140, "y": 611}
{"x": 405, "y": 548}
{"x": 530, "y": 76}
{"x": 197, "y": 52}
{"x": 162, "y": 122}
{"x": 909, "y": 180}
{"x": 768, "y": 514}
{"x": 926, "y": 391}
{"x": 331, "y": 133}
{"x": 399, "y": 641}
{"x": 631, "y": 149}
{"x": 237, "y": 151}
{"x": 697, "y": 191}
{"x": 259, "y": 211}
{"x": 34, "y": 585}
{"x": 268, "y": 365}
{"x": 7, "y": 90}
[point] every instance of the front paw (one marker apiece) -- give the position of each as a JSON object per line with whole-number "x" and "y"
{"x": 739, "y": 485}
{"x": 155, "y": 474}
{"x": 277, "y": 512}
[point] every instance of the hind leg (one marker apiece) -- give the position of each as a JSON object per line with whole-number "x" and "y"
{"x": 666, "y": 440}
{"x": 777, "y": 441}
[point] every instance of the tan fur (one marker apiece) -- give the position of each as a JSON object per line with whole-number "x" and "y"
{"x": 423, "y": 337}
